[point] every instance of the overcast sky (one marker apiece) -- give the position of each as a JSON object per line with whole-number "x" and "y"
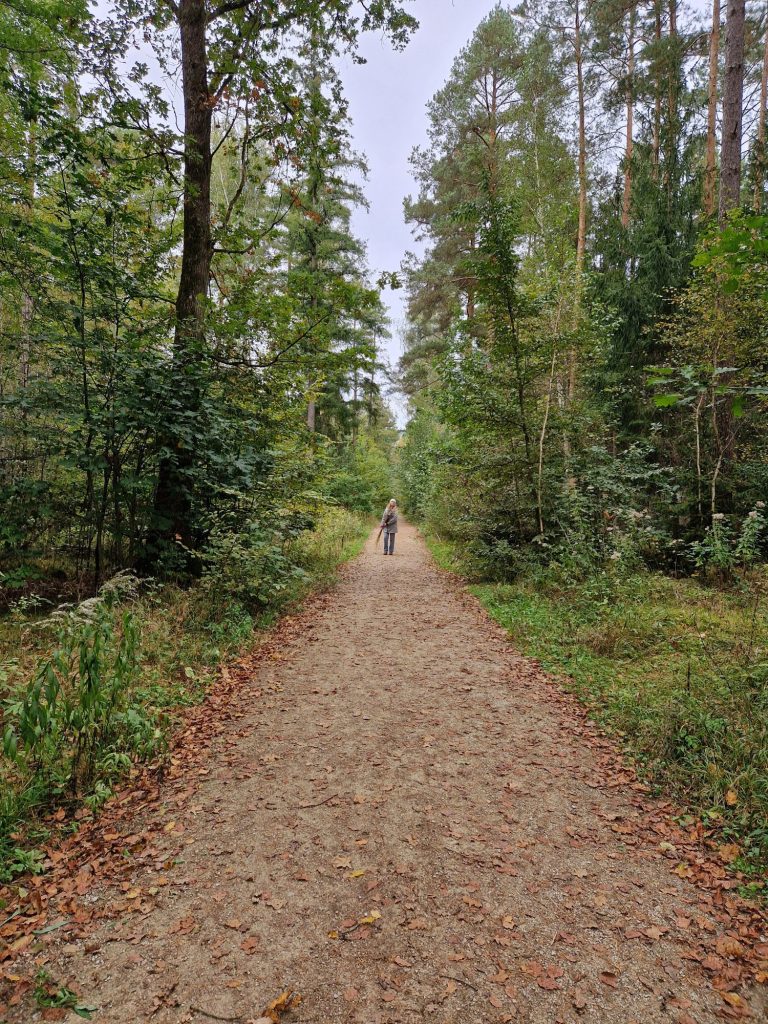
{"x": 387, "y": 100}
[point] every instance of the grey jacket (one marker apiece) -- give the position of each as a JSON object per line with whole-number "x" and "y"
{"x": 389, "y": 520}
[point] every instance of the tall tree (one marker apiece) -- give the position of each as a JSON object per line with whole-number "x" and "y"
{"x": 710, "y": 168}
{"x": 761, "y": 161}
{"x": 733, "y": 101}
{"x": 225, "y": 47}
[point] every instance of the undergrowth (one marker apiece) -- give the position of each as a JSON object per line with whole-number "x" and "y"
{"x": 90, "y": 689}
{"x": 675, "y": 668}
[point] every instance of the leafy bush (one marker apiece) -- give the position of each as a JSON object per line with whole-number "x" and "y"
{"x": 251, "y": 566}
{"x": 722, "y": 550}
{"x": 76, "y": 724}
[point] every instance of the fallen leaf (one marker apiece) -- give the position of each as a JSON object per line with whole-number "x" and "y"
{"x": 733, "y": 999}
{"x": 418, "y": 924}
{"x": 609, "y": 978}
{"x": 547, "y": 983}
{"x": 250, "y": 945}
{"x": 286, "y": 1001}
{"x": 728, "y": 852}
{"x": 727, "y": 946}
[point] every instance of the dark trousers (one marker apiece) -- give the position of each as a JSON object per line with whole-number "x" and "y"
{"x": 389, "y": 543}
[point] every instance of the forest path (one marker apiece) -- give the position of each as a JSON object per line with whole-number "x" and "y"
{"x": 397, "y": 763}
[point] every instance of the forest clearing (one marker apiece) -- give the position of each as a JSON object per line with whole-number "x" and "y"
{"x": 252, "y": 770}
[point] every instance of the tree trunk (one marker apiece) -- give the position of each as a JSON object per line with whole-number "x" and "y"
{"x": 581, "y": 237}
{"x": 581, "y": 240}
{"x": 733, "y": 92}
{"x": 672, "y": 146}
{"x": 27, "y": 305}
{"x": 656, "y": 144}
{"x": 173, "y": 496}
{"x": 710, "y": 170}
{"x": 762, "y": 112}
{"x": 630, "y": 99}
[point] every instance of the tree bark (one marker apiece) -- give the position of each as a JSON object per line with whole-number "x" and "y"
{"x": 173, "y": 497}
{"x": 656, "y": 144}
{"x": 710, "y": 169}
{"x": 733, "y": 93}
{"x": 630, "y": 100}
{"x": 581, "y": 240}
{"x": 571, "y": 360}
{"x": 762, "y": 113}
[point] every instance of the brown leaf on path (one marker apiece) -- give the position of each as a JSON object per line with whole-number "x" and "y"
{"x": 417, "y": 924}
{"x": 250, "y": 945}
{"x": 728, "y": 946}
{"x": 728, "y": 852}
{"x": 733, "y": 999}
{"x": 496, "y": 1001}
{"x": 185, "y": 926}
{"x": 287, "y": 1000}
{"x": 711, "y": 962}
{"x": 533, "y": 968}
{"x": 579, "y": 999}
{"x": 609, "y": 978}
{"x": 547, "y": 983}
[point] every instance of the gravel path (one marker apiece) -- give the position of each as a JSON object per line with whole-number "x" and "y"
{"x": 402, "y": 823}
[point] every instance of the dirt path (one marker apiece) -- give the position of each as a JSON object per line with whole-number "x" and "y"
{"x": 401, "y": 766}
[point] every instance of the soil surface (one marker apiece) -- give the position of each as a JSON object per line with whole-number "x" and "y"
{"x": 402, "y": 821}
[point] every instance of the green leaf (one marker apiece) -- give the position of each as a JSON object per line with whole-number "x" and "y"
{"x": 664, "y": 401}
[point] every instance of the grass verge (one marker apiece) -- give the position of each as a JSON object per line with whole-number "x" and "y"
{"x": 676, "y": 670}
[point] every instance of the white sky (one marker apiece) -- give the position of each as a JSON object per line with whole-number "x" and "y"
{"x": 387, "y": 102}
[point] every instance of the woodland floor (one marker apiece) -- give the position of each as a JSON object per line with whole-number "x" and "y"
{"x": 388, "y": 759}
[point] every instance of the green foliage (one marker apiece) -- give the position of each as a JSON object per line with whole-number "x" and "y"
{"x": 721, "y": 552}
{"x": 251, "y": 565}
{"x": 75, "y": 720}
{"x": 49, "y": 994}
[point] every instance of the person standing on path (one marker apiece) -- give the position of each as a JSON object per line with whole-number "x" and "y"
{"x": 389, "y": 526}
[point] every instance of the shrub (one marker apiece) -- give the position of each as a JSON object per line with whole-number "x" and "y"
{"x": 75, "y": 725}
